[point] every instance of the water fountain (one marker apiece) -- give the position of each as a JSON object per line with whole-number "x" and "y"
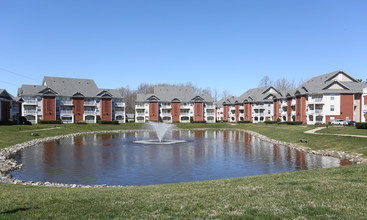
{"x": 160, "y": 130}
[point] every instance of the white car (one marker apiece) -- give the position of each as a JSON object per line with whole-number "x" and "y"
{"x": 339, "y": 122}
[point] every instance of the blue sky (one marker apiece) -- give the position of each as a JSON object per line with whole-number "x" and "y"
{"x": 227, "y": 45}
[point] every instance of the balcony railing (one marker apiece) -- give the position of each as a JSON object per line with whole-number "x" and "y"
{"x": 364, "y": 108}
{"x": 184, "y": 113}
{"x": 120, "y": 104}
{"x": 166, "y": 114}
{"x": 293, "y": 102}
{"x": 139, "y": 106}
{"x": 315, "y": 100}
{"x": 30, "y": 102}
{"x": 259, "y": 107}
{"x": 90, "y": 121}
{"x": 66, "y": 112}
{"x": 318, "y": 111}
{"x": 119, "y": 112}
{"x": 30, "y": 111}
{"x": 284, "y": 104}
{"x": 89, "y": 103}
{"x": 210, "y": 106}
{"x": 166, "y": 106}
{"x": 89, "y": 112}
{"x": 242, "y": 107}
{"x": 69, "y": 102}
{"x": 318, "y": 121}
{"x": 210, "y": 113}
{"x": 140, "y": 113}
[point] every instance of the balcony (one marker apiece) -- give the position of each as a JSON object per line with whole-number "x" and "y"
{"x": 166, "y": 114}
{"x": 210, "y": 113}
{"x": 185, "y": 107}
{"x": 318, "y": 111}
{"x": 259, "y": 107}
{"x": 89, "y": 112}
{"x": 30, "y": 112}
{"x": 258, "y": 114}
{"x": 284, "y": 104}
{"x": 139, "y": 107}
{"x": 119, "y": 112}
{"x": 311, "y": 112}
{"x": 140, "y": 113}
{"x": 185, "y": 113}
{"x": 30, "y": 102}
{"x": 315, "y": 101}
{"x": 66, "y": 102}
{"x": 64, "y": 112}
{"x": 166, "y": 106}
{"x": 210, "y": 106}
{"x": 242, "y": 107}
{"x": 293, "y": 102}
{"x": 293, "y": 112}
{"x": 89, "y": 121}
{"x": 364, "y": 108}
{"x": 90, "y": 103}
{"x": 120, "y": 104}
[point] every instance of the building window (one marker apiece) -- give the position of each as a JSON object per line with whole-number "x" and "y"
{"x": 331, "y": 96}
{"x": 331, "y": 108}
{"x": 268, "y": 111}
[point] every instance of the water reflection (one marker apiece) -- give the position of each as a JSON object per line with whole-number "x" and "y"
{"x": 114, "y": 160}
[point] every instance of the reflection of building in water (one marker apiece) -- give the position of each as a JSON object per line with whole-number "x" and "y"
{"x": 49, "y": 152}
{"x": 79, "y": 141}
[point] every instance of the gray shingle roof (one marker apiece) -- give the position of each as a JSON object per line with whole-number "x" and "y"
{"x": 320, "y": 84}
{"x": 262, "y": 94}
{"x": 66, "y": 87}
{"x": 171, "y": 93}
{"x": 5, "y": 96}
{"x": 70, "y": 86}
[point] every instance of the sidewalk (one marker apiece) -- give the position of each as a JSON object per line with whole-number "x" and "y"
{"x": 312, "y": 131}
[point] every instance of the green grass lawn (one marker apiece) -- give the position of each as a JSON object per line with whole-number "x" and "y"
{"x": 335, "y": 193}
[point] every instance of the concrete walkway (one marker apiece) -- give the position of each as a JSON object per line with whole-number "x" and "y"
{"x": 312, "y": 131}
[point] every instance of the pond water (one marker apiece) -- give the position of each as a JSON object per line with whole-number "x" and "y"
{"x": 114, "y": 159}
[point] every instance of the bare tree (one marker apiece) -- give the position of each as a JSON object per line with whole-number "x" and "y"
{"x": 215, "y": 95}
{"x": 265, "y": 81}
{"x": 284, "y": 84}
{"x": 226, "y": 93}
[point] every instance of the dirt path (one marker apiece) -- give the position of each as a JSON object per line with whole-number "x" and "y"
{"x": 312, "y": 131}
{"x": 44, "y": 129}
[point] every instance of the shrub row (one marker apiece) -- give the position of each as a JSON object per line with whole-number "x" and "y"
{"x": 361, "y": 125}
{"x": 198, "y": 122}
{"x": 8, "y": 122}
{"x": 270, "y": 122}
{"x": 244, "y": 121}
{"x": 294, "y": 122}
{"x": 49, "y": 121}
{"x": 108, "y": 122}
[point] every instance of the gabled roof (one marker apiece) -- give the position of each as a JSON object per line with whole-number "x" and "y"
{"x": 334, "y": 82}
{"x": 175, "y": 94}
{"x": 5, "y": 96}
{"x": 68, "y": 87}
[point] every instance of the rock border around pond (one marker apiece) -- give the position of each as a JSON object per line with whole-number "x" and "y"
{"x": 8, "y": 164}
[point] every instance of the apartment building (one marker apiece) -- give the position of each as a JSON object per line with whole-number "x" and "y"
{"x": 174, "y": 104}
{"x": 9, "y": 106}
{"x": 254, "y": 105}
{"x": 322, "y": 99}
{"x": 71, "y": 100}
{"x": 364, "y": 106}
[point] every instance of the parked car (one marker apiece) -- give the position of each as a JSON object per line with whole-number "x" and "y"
{"x": 339, "y": 122}
{"x": 352, "y": 123}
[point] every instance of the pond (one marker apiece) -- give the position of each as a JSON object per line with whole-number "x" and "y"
{"x": 114, "y": 159}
